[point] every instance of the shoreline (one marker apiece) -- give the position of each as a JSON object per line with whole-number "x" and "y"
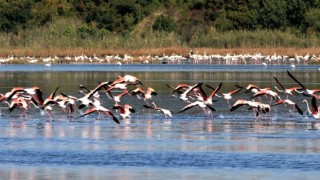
{"x": 289, "y": 51}
{"x": 40, "y": 56}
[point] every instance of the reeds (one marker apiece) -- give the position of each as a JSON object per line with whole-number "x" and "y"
{"x": 72, "y": 37}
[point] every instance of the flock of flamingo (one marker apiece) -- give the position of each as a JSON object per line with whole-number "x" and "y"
{"x": 192, "y": 57}
{"x": 194, "y": 97}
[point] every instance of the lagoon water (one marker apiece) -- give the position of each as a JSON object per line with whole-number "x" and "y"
{"x": 190, "y": 145}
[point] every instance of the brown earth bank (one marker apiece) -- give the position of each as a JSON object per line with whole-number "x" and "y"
{"x": 136, "y": 53}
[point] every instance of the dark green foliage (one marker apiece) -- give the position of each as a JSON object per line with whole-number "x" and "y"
{"x": 313, "y": 19}
{"x": 184, "y": 17}
{"x": 273, "y": 14}
{"x": 163, "y": 23}
{"x": 15, "y": 14}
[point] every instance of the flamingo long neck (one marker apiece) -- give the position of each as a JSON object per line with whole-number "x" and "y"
{"x": 7, "y": 103}
{"x": 278, "y": 89}
{"x": 154, "y": 104}
{"x": 309, "y": 111}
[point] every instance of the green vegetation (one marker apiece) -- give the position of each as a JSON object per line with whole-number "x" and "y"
{"x": 136, "y": 24}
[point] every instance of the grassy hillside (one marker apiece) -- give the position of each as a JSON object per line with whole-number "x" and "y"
{"x": 73, "y": 26}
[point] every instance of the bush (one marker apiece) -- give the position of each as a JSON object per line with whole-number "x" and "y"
{"x": 164, "y": 23}
{"x": 313, "y": 19}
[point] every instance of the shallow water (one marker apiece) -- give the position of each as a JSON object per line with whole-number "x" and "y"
{"x": 187, "y": 146}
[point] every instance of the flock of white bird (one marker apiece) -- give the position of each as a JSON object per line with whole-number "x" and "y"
{"x": 193, "y": 58}
{"x": 194, "y": 96}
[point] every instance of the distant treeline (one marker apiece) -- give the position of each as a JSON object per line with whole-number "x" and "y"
{"x": 211, "y": 23}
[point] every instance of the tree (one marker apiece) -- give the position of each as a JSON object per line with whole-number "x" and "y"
{"x": 15, "y": 15}
{"x": 273, "y": 14}
{"x": 313, "y": 19}
{"x": 295, "y": 12}
{"x": 163, "y": 23}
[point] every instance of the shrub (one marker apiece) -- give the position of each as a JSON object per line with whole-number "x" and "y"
{"x": 163, "y": 23}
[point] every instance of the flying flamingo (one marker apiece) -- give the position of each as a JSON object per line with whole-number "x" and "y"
{"x": 227, "y": 96}
{"x": 178, "y": 88}
{"x": 66, "y": 101}
{"x": 201, "y": 104}
{"x": 179, "y": 91}
{"x": 8, "y": 96}
{"x": 125, "y": 110}
{"x": 127, "y": 79}
{"x": 21, "y": 103}
{"x": 251, "y": 87}
{"x": 36, "y": 93}
{"x": 167, "y": 113}
{"x": 256, "y": 106}
{"x": 308, "y": 109}
{"x": 272, "y": 94}
{"x": 208, "y": 99}
{"x": 305, "y": 91}
{"x": 315, "y": 109}
{"x": 49, "y": 102}
{"x": 98, "y": 108}
{"x": 184, "y": 96}
{"x": 85, "y": 100}
{"x": 288, "y": 101}
{"x": 146, "y": 95}
{"x": 283, "y": 89}
{"x": 118, "y": 97}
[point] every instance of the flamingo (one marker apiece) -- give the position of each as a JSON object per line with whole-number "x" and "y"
{"x": 178, "y": 88}
{"x": 227, "y": 96}
{"x": 128, "y": 79}
{"x": 167, "y": 113}
{"x": 119, "y": 96}
{"x": 65, "y": 101}
{"x": 184, "y": 96}
{"x": 146, "y": 95}
{"x": 98, "y": 108}
{"x": 20, "y": 102}
{"x": 305, "y": 91}
{"x": 179, "y": 91}
{"x": 85, "y": 100}
{"x": 36, "y": 93}
{"x": 308, "y": 109}
{"x": 201, "y": 104}
{"x": 208, "y": 99}
{"x": 286, "y": 91}
{"x": 288, "y": 101}
{"x": 125, "y": 110}
{"x": 251, "y": 87}
{"x": 8, "y": 96}
{"x": 95, "y": 94}
{"x": 122, "y": 86}
{"x": 49, "y": 102}
{"x": 315, "y": 109}
{"x": 272, "y": 94}
{"x": 256, "y": 106}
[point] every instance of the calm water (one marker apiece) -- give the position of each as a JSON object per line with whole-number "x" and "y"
{"x": 148, "y": 146}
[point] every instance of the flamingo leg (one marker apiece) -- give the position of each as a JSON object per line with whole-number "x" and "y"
{"x": 228, "y": 103}
{"x": 63, "y": 110}
{"x": 49, "y": 115}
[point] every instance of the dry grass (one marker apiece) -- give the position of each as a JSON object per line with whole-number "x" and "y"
{"x": 156, "y": 51}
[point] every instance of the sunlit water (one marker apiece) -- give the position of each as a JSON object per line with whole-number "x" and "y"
{"x": 190, "y": 145}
